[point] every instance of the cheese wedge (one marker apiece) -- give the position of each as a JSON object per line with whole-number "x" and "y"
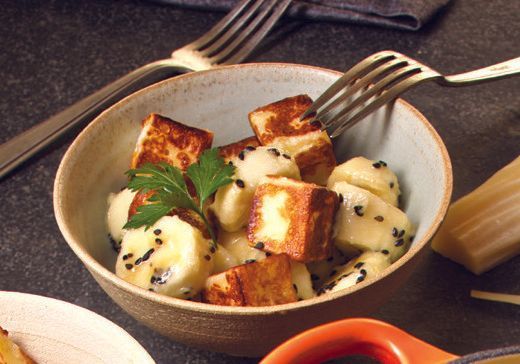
{"x": 482, "y": 229}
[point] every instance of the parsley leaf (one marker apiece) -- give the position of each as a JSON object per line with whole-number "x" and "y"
{"x": 210, "y": 173}
{"x": 171, "y": 191}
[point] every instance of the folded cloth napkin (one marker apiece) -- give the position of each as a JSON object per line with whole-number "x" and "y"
{"x": 401, "y": 14}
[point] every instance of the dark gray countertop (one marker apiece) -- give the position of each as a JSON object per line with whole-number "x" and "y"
{"x": 55, "y": 52}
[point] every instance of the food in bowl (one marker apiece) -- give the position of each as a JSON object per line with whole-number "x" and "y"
{"x": 266, "y": 220}
{"x": 220, "y": 100}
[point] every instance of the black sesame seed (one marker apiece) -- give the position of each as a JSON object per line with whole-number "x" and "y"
{"x": 259, "y": 245}
{"x": 340, "y": 198}
{"x": 157, "y": 231}
{"x": 153, "y": 279}
{"x": 240, "y": 183}
{"x": 230, "y": 163}
{"x": 379, "y": 218}
{"x": 363, "y": 272}
{"x": 241, "y": 155}
{"x": 383, "y": 163}
{"x": 315, "y": 277}
{"x": 212, "y": 250}
{"x": 158, "y": 241}
{"x": 333, "y": 272}
{"x": 247, "y": 261}
{"x": 274, "y": 151}
{"x": 316, "y": 123}
{"x": 411, "y": 238}
{"x": 395, "y": 232}
{"x": 376, "y": 165}
{"x": 401, "y": 233}
{"x": 358, "y": 209}
{"x": 130, "y": 255}
{"x": 128, "y": 266}
{"x": 207, "y": 257}
{"x": 385, "y": 252}
{"x": 138, "y": 261}
{"x": 295, "y": 287}
{"x": 391, "y": 184}
{"x": 330, "y": 259}
{"x": 286, "y": 156}
{"x": 359, "y": 265}
{"x": 267, "y": 254}
{"x": 125, "y": 257}
{"x": 147, "y": 255}
{"x": 360, "y": 279}
{"x": 399, "y": 242}
{"x": 250, "y": 148}
{"x": 151, "y": 289}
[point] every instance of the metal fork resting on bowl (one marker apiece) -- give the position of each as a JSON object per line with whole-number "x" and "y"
{"x": 230, "y": 41}
{"x": 382, "y": 77}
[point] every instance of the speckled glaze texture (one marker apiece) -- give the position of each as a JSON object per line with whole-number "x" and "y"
{"x": 52, "y": 331}
{"x": 219, "y": 100}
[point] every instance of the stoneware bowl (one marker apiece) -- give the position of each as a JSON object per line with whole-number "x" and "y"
{"x": 53, "y": 331}
{"x": 219, "y": 100}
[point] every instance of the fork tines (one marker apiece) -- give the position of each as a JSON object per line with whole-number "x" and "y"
{"x": 364, "y": 88}
{"x": 237, "y": 34}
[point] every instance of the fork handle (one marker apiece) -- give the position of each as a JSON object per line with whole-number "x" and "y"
{"x": 495, "y": 72}
{"x": 23, "y": 146}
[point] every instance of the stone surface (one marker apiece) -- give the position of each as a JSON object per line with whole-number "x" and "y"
{"x": 55, "y": 52}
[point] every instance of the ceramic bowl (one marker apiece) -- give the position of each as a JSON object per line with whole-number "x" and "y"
{"x": 53, "y": 331}
{"x": 219, "y": 100}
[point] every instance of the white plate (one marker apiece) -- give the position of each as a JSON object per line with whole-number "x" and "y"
{"x": 53, "y": 331}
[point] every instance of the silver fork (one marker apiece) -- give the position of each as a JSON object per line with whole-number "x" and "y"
{"x": 230, "y": 41}
{"x": 382, "y": 77}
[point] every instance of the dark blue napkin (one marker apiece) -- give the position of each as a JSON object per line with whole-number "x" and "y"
{"x": 401, "y": 14}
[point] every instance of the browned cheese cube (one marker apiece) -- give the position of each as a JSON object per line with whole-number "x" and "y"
{"x": 262, "y": 283}
{"x": 165, "y": 140}
{"x": 293, "y": 217}
{"x": 232, "y": 150}
{"x": 278, "y": 124}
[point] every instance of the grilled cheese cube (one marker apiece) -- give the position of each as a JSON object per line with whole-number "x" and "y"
{"x": 366, "y": 266}
{"x": 233, "y": 201}
{"x": 278, "y": 125}
{"x": 374, "y": 176}
{"x": 165, "y": 140}
{"x": 367, "y": 223}
{"x": 264, "y": 283}
{"x": 231, "y": 151}
{"x": 293, "y": 217}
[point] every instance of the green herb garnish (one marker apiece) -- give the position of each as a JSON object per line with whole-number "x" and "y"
{"x": 171, "y": 191}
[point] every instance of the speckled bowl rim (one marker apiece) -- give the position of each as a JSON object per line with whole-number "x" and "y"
{"x": 108, "y": 275}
